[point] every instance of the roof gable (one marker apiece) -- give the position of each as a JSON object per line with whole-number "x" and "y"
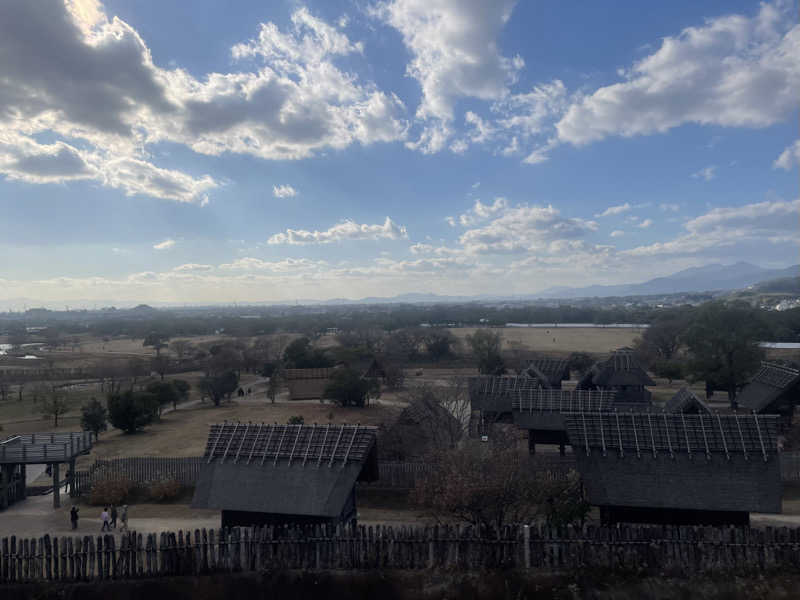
{"x": 686, "y": 401}
{"x": 771, "y": 381}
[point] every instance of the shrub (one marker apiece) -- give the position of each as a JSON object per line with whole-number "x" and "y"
{"x": 296, "y": 420}
{"x": 164, "y": 491}
{"x": 110, "y": 491}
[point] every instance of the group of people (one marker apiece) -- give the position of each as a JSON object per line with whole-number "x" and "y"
{"x": 108, "y": 519}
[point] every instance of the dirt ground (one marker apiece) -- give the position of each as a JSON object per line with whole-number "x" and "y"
{"x": 561, "y": 340}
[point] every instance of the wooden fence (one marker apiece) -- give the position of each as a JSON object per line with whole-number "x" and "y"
{"x": 635, "y": 548}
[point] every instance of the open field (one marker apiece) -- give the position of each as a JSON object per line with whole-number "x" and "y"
{"x": 561, "y": 340}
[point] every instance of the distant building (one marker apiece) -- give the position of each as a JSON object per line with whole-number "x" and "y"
{"x": 775, "y": 389}
{"x": 259, "y": 474}
{"x": 307, "y": 384}
{"x": 550, "y": 371}
{"x": 677, "y": 468}
{"x": 541, "y": 412}
{"x": 424, "y": 428}
{"x": 685, "y": 401}
{"x": 620, "y": 372}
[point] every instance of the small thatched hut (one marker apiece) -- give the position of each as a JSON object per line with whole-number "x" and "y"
{"x": 621, "y": 372}
{"x": 678, "y": 468}
{"x": 259, "y": 474}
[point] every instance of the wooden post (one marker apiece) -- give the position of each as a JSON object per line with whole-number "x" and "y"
{"x": 71, "y": 479}
{"x": 526, "y": 540}
{"x": 56, "y": 490}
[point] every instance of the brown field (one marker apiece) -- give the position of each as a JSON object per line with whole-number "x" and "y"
{"x": 184, "y": 432}
{"x": 594, "y": 340}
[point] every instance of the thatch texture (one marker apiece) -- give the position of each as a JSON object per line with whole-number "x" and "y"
{"x": 678, "y": 461}
{"x": 551, "y": 371}
{"x": 773, "y": 384}
{"x": 301, "y": 470}
{"x": 686, "y": 401}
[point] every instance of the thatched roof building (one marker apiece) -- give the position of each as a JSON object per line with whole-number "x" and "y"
{"x": 622, "y": 372}
{"x": 257, "y": 473}
{"x": 775, "y": 389}
{"x": 423, "y": 428}
{"x": 495, "y": 394}
{"x": 678, "y": 468}
{"x": 307, "y": 384}
{"x": 686, "y": 401}
{"x": 550, "y": 371}
{"x": 541, "y": 412}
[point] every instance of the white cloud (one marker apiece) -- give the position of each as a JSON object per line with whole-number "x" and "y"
{"x": 789, "y": 158}
{"x": 733, "y": 71}
{"x": 617, "y": 233}
{"x": 706, "y": 173}
{"x": 280, "y": 266}
{"x": 526, "y": 228}
{"x": 165, "y": 245}
{"x": 615, "y": 210}
{"x": 645, "y": 224}
{"x": 347, "y": 230}
{"x": 190, "y": 267}
{"x": 95, "y": 88}
{"x": 283, "y": 191}
{"x": 772, "y": 222}
{"x": 668, "y": 207}
{"x": 454, "y": 55}
{"x": 481, "y": 212}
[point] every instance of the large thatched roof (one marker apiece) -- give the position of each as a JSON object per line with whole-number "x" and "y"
{"x": 619, "y": 369}
{"x": 696, "y": 462}
{"x": 284, "y": 469}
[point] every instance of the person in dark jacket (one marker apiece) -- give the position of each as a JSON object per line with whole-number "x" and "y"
{"x": 113, "y": 516}
{"x": 73, "y": 516}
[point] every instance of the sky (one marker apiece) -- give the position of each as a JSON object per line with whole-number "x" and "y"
{"x": 165, "y": 151}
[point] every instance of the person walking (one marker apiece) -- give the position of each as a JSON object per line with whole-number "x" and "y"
{"x": 123, "y": 517}
{"x": 113, "y": 516}
{"x": 105, "y": 519}
{"x": 73, "y": 516}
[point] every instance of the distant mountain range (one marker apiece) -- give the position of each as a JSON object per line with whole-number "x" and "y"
{"x": 715, "y": 277}
{"x": 709, "y": 278}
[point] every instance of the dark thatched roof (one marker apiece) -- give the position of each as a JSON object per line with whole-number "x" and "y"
{"x": 770, "y": 383}
{"x": 678, "y": 461}
{"x": 619, "y": 369}
{"x": 752, "y": 436}
{"x": 563, "y": 401}
{"x": 321, "y": 373}
{"x": 550, "y": 370}
{"x": 544, "y": 410}
{"x": 284, "y": 469}
{"x": 686, "y": 401}
{"x": 489, "y": 393}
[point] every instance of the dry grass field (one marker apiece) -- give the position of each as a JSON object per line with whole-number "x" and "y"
{"x": 559, "y": 341}
{"x": 184, "y": 432}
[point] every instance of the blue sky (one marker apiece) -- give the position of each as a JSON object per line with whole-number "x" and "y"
{"x": 164, "y": 151}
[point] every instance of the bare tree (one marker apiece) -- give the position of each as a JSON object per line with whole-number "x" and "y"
{"x": 483, "y": 484}
{"x": 55, "y": 405}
